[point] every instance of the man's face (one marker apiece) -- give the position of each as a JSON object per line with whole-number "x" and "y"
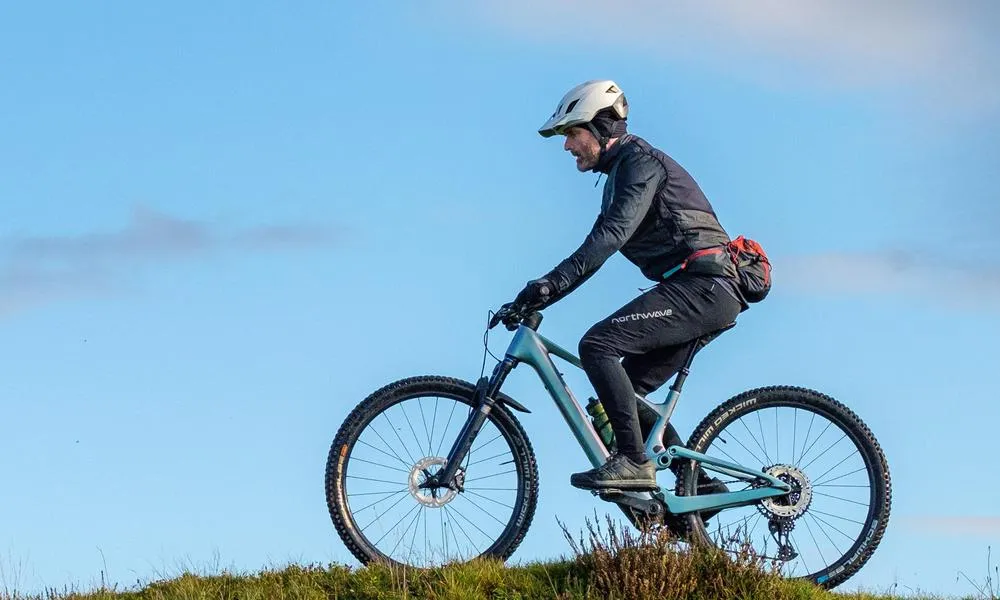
{"x": 583, "y": 146}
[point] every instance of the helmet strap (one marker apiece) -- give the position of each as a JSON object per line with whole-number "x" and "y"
{"x": 601, "y": 140}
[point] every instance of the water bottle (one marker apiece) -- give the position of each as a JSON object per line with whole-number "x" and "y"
{"x": 601, "y": 422}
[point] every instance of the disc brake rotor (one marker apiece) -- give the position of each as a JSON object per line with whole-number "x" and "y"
{"x": 432, "y": 497}
{"x": 792, "y": 505}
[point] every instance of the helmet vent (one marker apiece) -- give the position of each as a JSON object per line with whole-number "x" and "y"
{"x": 571, "y": 105}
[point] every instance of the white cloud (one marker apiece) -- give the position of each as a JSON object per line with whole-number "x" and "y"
{"x": 41, "y": 269}
{"x": 947, "y": 51}
{"x": 956, "y": 526}
{"x": 973, "y": 283}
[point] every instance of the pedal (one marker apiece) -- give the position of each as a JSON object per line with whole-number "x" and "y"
{"x": 650, "y": 507}
{"x": 608, "y": 494}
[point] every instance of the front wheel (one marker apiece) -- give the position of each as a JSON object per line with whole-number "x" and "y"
{"x": 399, "y": 437}
{"x": 829, "y": 525}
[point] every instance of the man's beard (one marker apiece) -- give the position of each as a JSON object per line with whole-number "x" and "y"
{"x": 587, "y": 160}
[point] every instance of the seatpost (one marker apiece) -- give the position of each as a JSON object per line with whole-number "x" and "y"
{"x": 686, "y": 369}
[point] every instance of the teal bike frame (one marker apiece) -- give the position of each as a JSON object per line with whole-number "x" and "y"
{"x": 530, "y": 347}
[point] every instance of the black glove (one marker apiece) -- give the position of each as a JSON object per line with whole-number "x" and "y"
{"x": 536, "y": 294}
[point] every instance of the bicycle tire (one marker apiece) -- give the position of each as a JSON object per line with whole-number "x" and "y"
{"x": 875, "y": 462}
{"x": 414, "y": 387}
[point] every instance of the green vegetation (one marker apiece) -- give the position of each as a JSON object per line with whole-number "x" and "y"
{"x": 607, "y": 564}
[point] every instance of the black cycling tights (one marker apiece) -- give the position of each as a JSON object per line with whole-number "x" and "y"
{"x": 642, "y": 345}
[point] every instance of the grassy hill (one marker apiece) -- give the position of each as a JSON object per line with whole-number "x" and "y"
{"x": 606, "y": 565}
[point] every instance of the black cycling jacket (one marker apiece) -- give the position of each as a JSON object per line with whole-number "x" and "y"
{"x": 653, "y": 212}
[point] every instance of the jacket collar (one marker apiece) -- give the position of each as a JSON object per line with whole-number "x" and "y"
{"x": 610, "y": 156}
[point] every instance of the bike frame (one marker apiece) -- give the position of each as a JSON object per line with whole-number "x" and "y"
{"x": 532, "y": 348}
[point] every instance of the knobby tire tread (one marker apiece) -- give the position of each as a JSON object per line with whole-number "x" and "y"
{"x": 783, "y": 393}
{"x": 389, "y": 395}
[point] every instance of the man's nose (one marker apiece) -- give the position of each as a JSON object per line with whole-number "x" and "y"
{"x": 566, "y": 145}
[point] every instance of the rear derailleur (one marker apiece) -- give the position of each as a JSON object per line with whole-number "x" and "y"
{"x": 781, "y": 531}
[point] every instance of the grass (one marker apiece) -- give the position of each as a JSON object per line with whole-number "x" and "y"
{"x": 608, "y": 563}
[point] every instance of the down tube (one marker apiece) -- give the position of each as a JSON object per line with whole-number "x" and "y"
{"x": 528, "y": 347}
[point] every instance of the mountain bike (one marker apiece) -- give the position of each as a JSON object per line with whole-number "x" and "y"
{"x": 467, "y": 484}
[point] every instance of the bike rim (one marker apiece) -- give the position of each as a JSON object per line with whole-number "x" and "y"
{"x": 835, "y": 491}
{"x": 392, "y": 454}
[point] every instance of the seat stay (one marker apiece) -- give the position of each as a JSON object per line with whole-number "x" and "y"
{"x": 664, "y": 410}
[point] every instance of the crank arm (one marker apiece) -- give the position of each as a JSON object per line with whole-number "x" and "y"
{"x": 648, "y": 506}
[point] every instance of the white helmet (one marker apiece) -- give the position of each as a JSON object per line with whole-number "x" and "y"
{"x": 581, "y": 103}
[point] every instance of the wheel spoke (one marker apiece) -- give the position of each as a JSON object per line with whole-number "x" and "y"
{"x": 424, "y": 421}
{"x": 795, "y": 430}
{"x": 379, "y": 500}
{"x": 816, "y": 485}
{"x": 823, "y": 453}
{"x": 796, "y": 545}
{"x": 454, "y": 405}
{"x": 387, "y": 445}
{"x": 470, "y": 522}
{"x": 720, "y": 449}
{"x": 462, "y": 529}
{"x": 370, "y": 479}
{"x": 469, "y": 500}
{"x": 405, "y": 531}
{"x": 405, "y": 448}
{"x": 490, "y": 458}
{"x": 805, "y": 440}
{"x": 837, "y": 465}
{"x": 415, "y": 507}
{"x": 842, "y": 499}
{"x": 841, "y": 477}
{"x": 416, "y": 439}
{"x": 490, "y": 499}
{"x": 836, "y": 517}
{"x": 831, "y": 526}
{"x": 389, "y": 517}
{"x": 756, "y": 441}
{"x": 406, "y": 489}
{"x": 763, "y": 438}
{"x": 825, "y": 534}
{"x": 498, "y": 436}
{"x": 803, "y": 456}
{"x": 353, "y": 458}
{"x": 815, "y": 542}
{"x": 733, "y": 435}
{"x": 493, "y": 475}
{"x": 433, "y": 423}
{"x": 777, "y": 442}
{"x": 817, "y": 449}
{"x": 377, "y": 517}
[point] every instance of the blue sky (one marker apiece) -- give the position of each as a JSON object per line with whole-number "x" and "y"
{"x": 224, "y": 226}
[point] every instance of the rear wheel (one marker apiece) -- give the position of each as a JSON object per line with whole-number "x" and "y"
{"x": 393, "y": 442}
{"x": 827, "y": 528}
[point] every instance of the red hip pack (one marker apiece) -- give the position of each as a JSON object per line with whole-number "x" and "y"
{"x": 753, "y": 269}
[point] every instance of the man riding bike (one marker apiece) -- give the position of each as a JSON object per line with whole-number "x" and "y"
{"x": 655, "y": 214}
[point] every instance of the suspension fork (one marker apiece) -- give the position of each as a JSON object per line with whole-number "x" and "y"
{"x": 483, "y": 403}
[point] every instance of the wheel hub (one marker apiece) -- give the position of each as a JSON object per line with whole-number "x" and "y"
{"x": 434, "y": 497}
{"x": 794, "y": 504}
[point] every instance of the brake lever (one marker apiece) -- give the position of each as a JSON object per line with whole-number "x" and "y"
{"x": 509, "y": 314}
{"x": 500, "y": 315}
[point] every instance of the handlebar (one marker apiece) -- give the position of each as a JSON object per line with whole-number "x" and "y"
{"x": 512, "y": 315}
